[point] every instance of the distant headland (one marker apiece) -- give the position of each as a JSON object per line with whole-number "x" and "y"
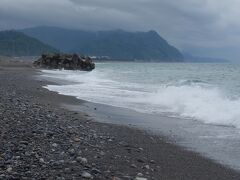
{"x": 115, "y": 44}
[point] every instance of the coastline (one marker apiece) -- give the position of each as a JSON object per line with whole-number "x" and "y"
{"x": 41, "y": 139}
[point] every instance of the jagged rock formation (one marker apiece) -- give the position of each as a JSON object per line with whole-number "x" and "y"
{"x": 65, "y": 61}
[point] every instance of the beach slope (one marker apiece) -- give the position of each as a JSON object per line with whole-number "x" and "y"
{"x": 41, "y": 139}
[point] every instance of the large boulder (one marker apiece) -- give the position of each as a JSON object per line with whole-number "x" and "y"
{"x": 64, "y": 61}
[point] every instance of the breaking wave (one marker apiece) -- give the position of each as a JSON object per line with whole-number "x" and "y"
{"x": 194, "y": 99}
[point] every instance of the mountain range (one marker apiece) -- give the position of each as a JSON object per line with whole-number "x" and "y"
{"x": 115, "y": 44}
{"x": 14, "y": 43}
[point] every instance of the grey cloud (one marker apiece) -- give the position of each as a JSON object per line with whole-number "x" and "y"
{"x": 199, "y": 26}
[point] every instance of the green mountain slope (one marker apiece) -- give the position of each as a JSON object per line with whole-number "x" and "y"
{"x": 117, "y": 44}
{"x": 14, "y": 43}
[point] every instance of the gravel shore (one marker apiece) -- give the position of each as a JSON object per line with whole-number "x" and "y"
{"x": 41, "y": 140}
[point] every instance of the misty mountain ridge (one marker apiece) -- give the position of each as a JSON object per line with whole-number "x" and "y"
{"x": 14, "y": 43}
{"x": 197, "y": 59}
{"x": 116, "y": 44}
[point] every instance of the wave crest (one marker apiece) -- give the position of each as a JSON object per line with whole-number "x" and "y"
{"x": 203, "y": 102}
{"x": 186, "y": 98}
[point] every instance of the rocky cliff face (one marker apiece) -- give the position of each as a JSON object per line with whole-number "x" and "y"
{"x": 65, "y": 61}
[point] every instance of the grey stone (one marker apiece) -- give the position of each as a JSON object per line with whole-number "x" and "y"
{"x": 86, "y": 175}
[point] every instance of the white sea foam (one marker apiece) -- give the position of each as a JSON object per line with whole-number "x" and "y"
{"x": 189, "y": 99}
{"x": 207, "y": 104}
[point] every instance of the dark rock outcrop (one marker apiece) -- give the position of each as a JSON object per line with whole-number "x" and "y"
{"x": 65, "y": 61}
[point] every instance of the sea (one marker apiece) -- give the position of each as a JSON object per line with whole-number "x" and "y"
{"x": 202, "y": 98}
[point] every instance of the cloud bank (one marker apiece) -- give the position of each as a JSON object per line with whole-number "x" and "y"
{"x": 201, "y": 27}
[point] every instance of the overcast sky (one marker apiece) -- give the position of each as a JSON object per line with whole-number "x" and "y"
{"x": 201, "y": 27}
